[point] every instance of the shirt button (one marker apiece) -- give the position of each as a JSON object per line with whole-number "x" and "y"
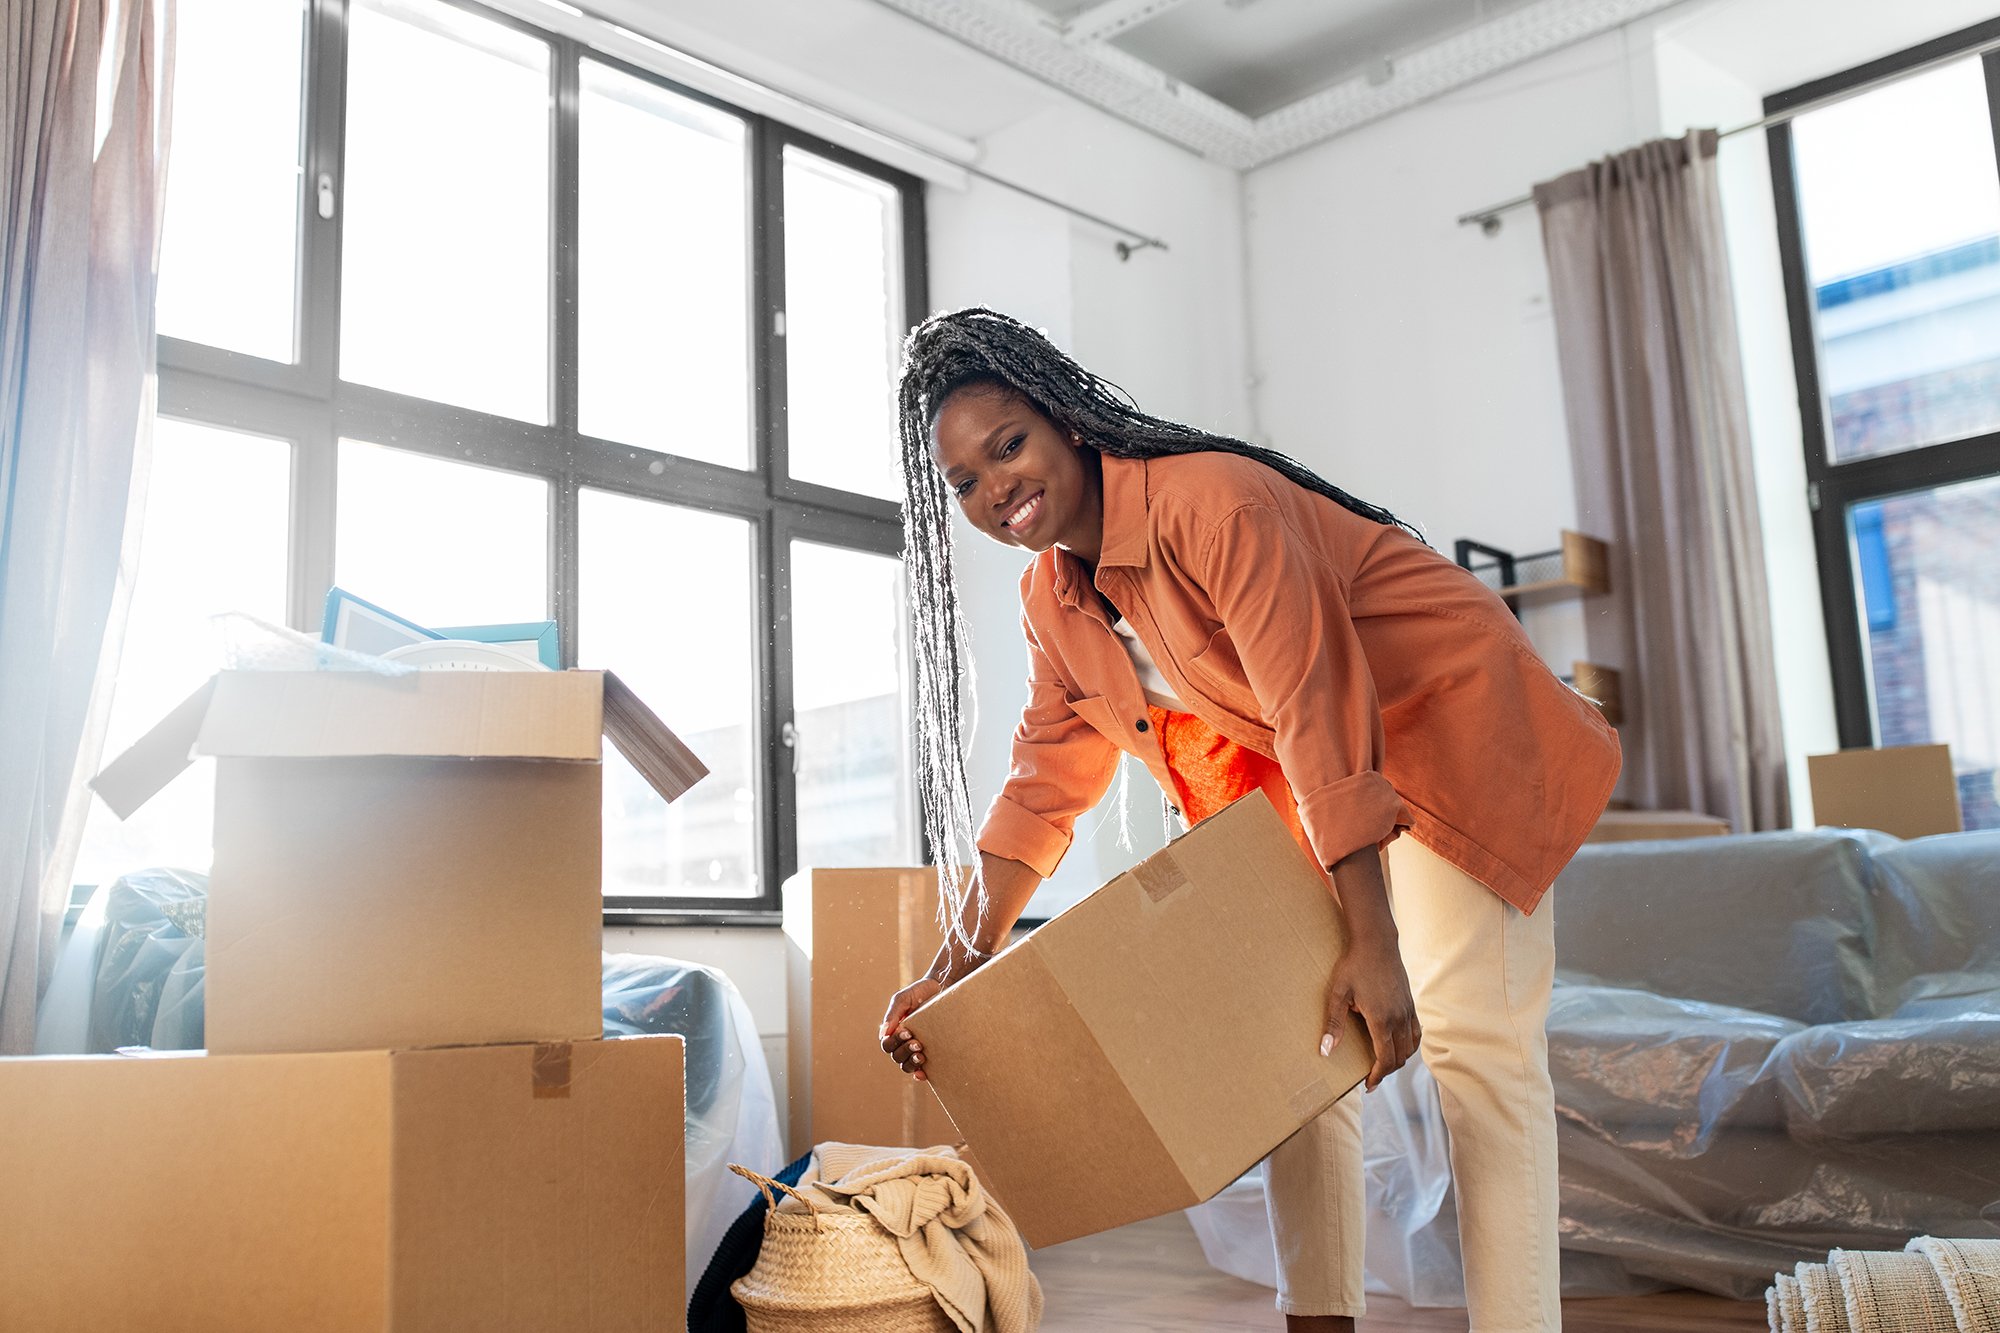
{"x": 1144, "y": 725}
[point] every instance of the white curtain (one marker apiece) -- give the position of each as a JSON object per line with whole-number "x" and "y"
{"x": 1660, "y": 439}
{"x": 82, "y": 114}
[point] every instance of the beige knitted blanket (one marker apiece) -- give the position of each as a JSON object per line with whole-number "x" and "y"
{"x": 1932, "y": 1286}
{"x": 955, "y": 1238}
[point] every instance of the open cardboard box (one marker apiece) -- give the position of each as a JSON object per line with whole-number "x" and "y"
{"x": 1145, "y": 1048}
{"x": 407, "y": 860}
{"x": 488, "y": 1188}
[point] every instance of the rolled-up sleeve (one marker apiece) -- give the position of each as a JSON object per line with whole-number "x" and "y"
{"x": 1061, "y": 767}
{"x": 1284, "y": 607}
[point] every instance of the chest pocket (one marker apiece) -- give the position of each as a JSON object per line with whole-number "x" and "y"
{"x": 1218, "y": 671}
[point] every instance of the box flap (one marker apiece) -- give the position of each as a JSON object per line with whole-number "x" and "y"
{"x": 666, "y": 764}
{"x": 156, "y": 758}
{"x": 470, "y": 714}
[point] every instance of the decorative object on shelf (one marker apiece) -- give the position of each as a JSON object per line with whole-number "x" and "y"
{"x": 1599, "y": 684}
{"x": 1578, "y": 567}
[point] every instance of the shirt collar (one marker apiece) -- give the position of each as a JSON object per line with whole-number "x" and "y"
{"x": 1124, "y": 512}
{"x": 1124, "y": 481}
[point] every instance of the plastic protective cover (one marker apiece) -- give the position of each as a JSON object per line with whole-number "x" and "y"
{"x": 732, "y": 1115}
{"x": 1763, "y": 1048}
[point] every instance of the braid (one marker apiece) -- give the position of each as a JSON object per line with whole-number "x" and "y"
{"x": 977, "y": 347}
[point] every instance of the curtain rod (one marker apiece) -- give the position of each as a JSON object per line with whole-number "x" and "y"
{"x": 1488, "y": 219}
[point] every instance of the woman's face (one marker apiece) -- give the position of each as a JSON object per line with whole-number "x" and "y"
{"x": 1018, "y": 477}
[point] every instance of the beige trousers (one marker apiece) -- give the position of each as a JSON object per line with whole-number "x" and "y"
{"x": 1480, "y": 972}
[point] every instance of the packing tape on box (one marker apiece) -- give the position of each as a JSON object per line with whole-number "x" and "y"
{"x": 551, "y": 1070}
{"x": 1159, "y": 876}
{"x": 1311, "y": 1099}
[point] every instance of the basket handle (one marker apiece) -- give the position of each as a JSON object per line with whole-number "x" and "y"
{"x": 766, "y": 1184}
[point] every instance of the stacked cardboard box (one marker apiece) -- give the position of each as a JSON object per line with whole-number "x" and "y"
{"x": 408, "y": 1118}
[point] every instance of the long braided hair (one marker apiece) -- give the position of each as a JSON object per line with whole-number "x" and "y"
{"x": 977, "y": 348}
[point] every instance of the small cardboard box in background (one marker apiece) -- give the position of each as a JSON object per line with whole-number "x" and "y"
{"x": 1906, "y": 790}
{"x": 853, "y": 938}
{"x": 403, "y": 860}
{"x": 491, "y": 1188}
{"x": 1145, "y": 1048}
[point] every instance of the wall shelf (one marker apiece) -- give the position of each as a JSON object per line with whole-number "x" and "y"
{"x": 1579, "y": 567}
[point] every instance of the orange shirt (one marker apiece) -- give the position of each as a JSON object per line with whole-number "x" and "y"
{"x": 1393, "y": 689}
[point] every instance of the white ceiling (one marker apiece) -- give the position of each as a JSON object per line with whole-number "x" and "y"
{"x": 1246, "y": 81}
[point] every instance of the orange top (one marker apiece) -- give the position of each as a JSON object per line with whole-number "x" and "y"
{"x": 1393, "y": 689}
{"x": 1212, "y": 772}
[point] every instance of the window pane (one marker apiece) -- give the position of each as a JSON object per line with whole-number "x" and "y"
{"x": 439, "y": 542}
{"x": 843, "y": 325}
{"x": 1924, "y": 564}
{"x": 665, "y": 599}
{"x": 229, "y": 248}
{"x": 851, "y": 700}
{"x": 663, "y": 295}
{"x": 445, "y": 262}
{"x": 217, "y": 516}
{"x": 1900, "y": 205}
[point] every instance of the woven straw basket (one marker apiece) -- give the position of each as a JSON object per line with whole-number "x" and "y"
{"x": 830, "y": 1270}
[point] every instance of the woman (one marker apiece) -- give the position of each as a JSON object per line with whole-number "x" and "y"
{"x": 1239, "y": 624}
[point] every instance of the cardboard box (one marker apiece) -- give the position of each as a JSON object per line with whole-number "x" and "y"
{"x": 1145, "y": 1048}
{"x": 1646, "y": 825}
{"x": 487, "y": 1188}
{"x": 1907, "y": 790}
{"x": 402, "y": 861}
{"x": 853, "y": 938}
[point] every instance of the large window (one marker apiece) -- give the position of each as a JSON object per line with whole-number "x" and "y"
{"x": 1889, "y": 217}
{"x": 487, "y": 326}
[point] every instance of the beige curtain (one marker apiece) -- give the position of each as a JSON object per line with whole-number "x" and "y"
{"x": 81, "y": 98}
{"x": 1660, "y": 441}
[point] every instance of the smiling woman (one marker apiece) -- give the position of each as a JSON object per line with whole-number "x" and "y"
{"x": 1241, "y": 624}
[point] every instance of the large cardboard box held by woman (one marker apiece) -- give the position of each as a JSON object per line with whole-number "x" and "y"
{"x": 1152, "y": 1043}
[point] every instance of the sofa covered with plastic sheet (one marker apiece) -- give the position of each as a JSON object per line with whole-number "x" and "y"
{"x": 131, "y": 975}
{"x": 1763, "y": 1047}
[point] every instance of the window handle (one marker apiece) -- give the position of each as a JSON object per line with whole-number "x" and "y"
{"x": 326, "y": 195}
{"x": 789, "y": 734}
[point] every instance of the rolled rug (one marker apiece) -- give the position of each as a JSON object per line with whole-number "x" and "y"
{"x": 1885, "y": 1290}
{"x": 1826, "y": 1305}
{"x": 1969, "y": 1272}
{"x": 1785, "y": 1306}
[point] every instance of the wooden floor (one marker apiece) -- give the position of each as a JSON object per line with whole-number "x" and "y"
{"x": 1151, "y": 1278}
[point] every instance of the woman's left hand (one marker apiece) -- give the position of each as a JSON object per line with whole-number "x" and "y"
{"x": 1369, "y": 980}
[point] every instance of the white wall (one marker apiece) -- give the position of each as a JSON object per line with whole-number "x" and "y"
{"x": 1414, "y": 361}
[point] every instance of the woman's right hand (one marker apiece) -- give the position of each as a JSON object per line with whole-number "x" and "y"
{"x": 905, "y": 1050}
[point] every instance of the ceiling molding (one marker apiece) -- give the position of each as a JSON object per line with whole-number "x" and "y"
{"x": 1106, "y": 19}
{"x": 1031, "y": 40}
{"x": 1434, "y": 70}
{"x": 1076, "y": 57}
